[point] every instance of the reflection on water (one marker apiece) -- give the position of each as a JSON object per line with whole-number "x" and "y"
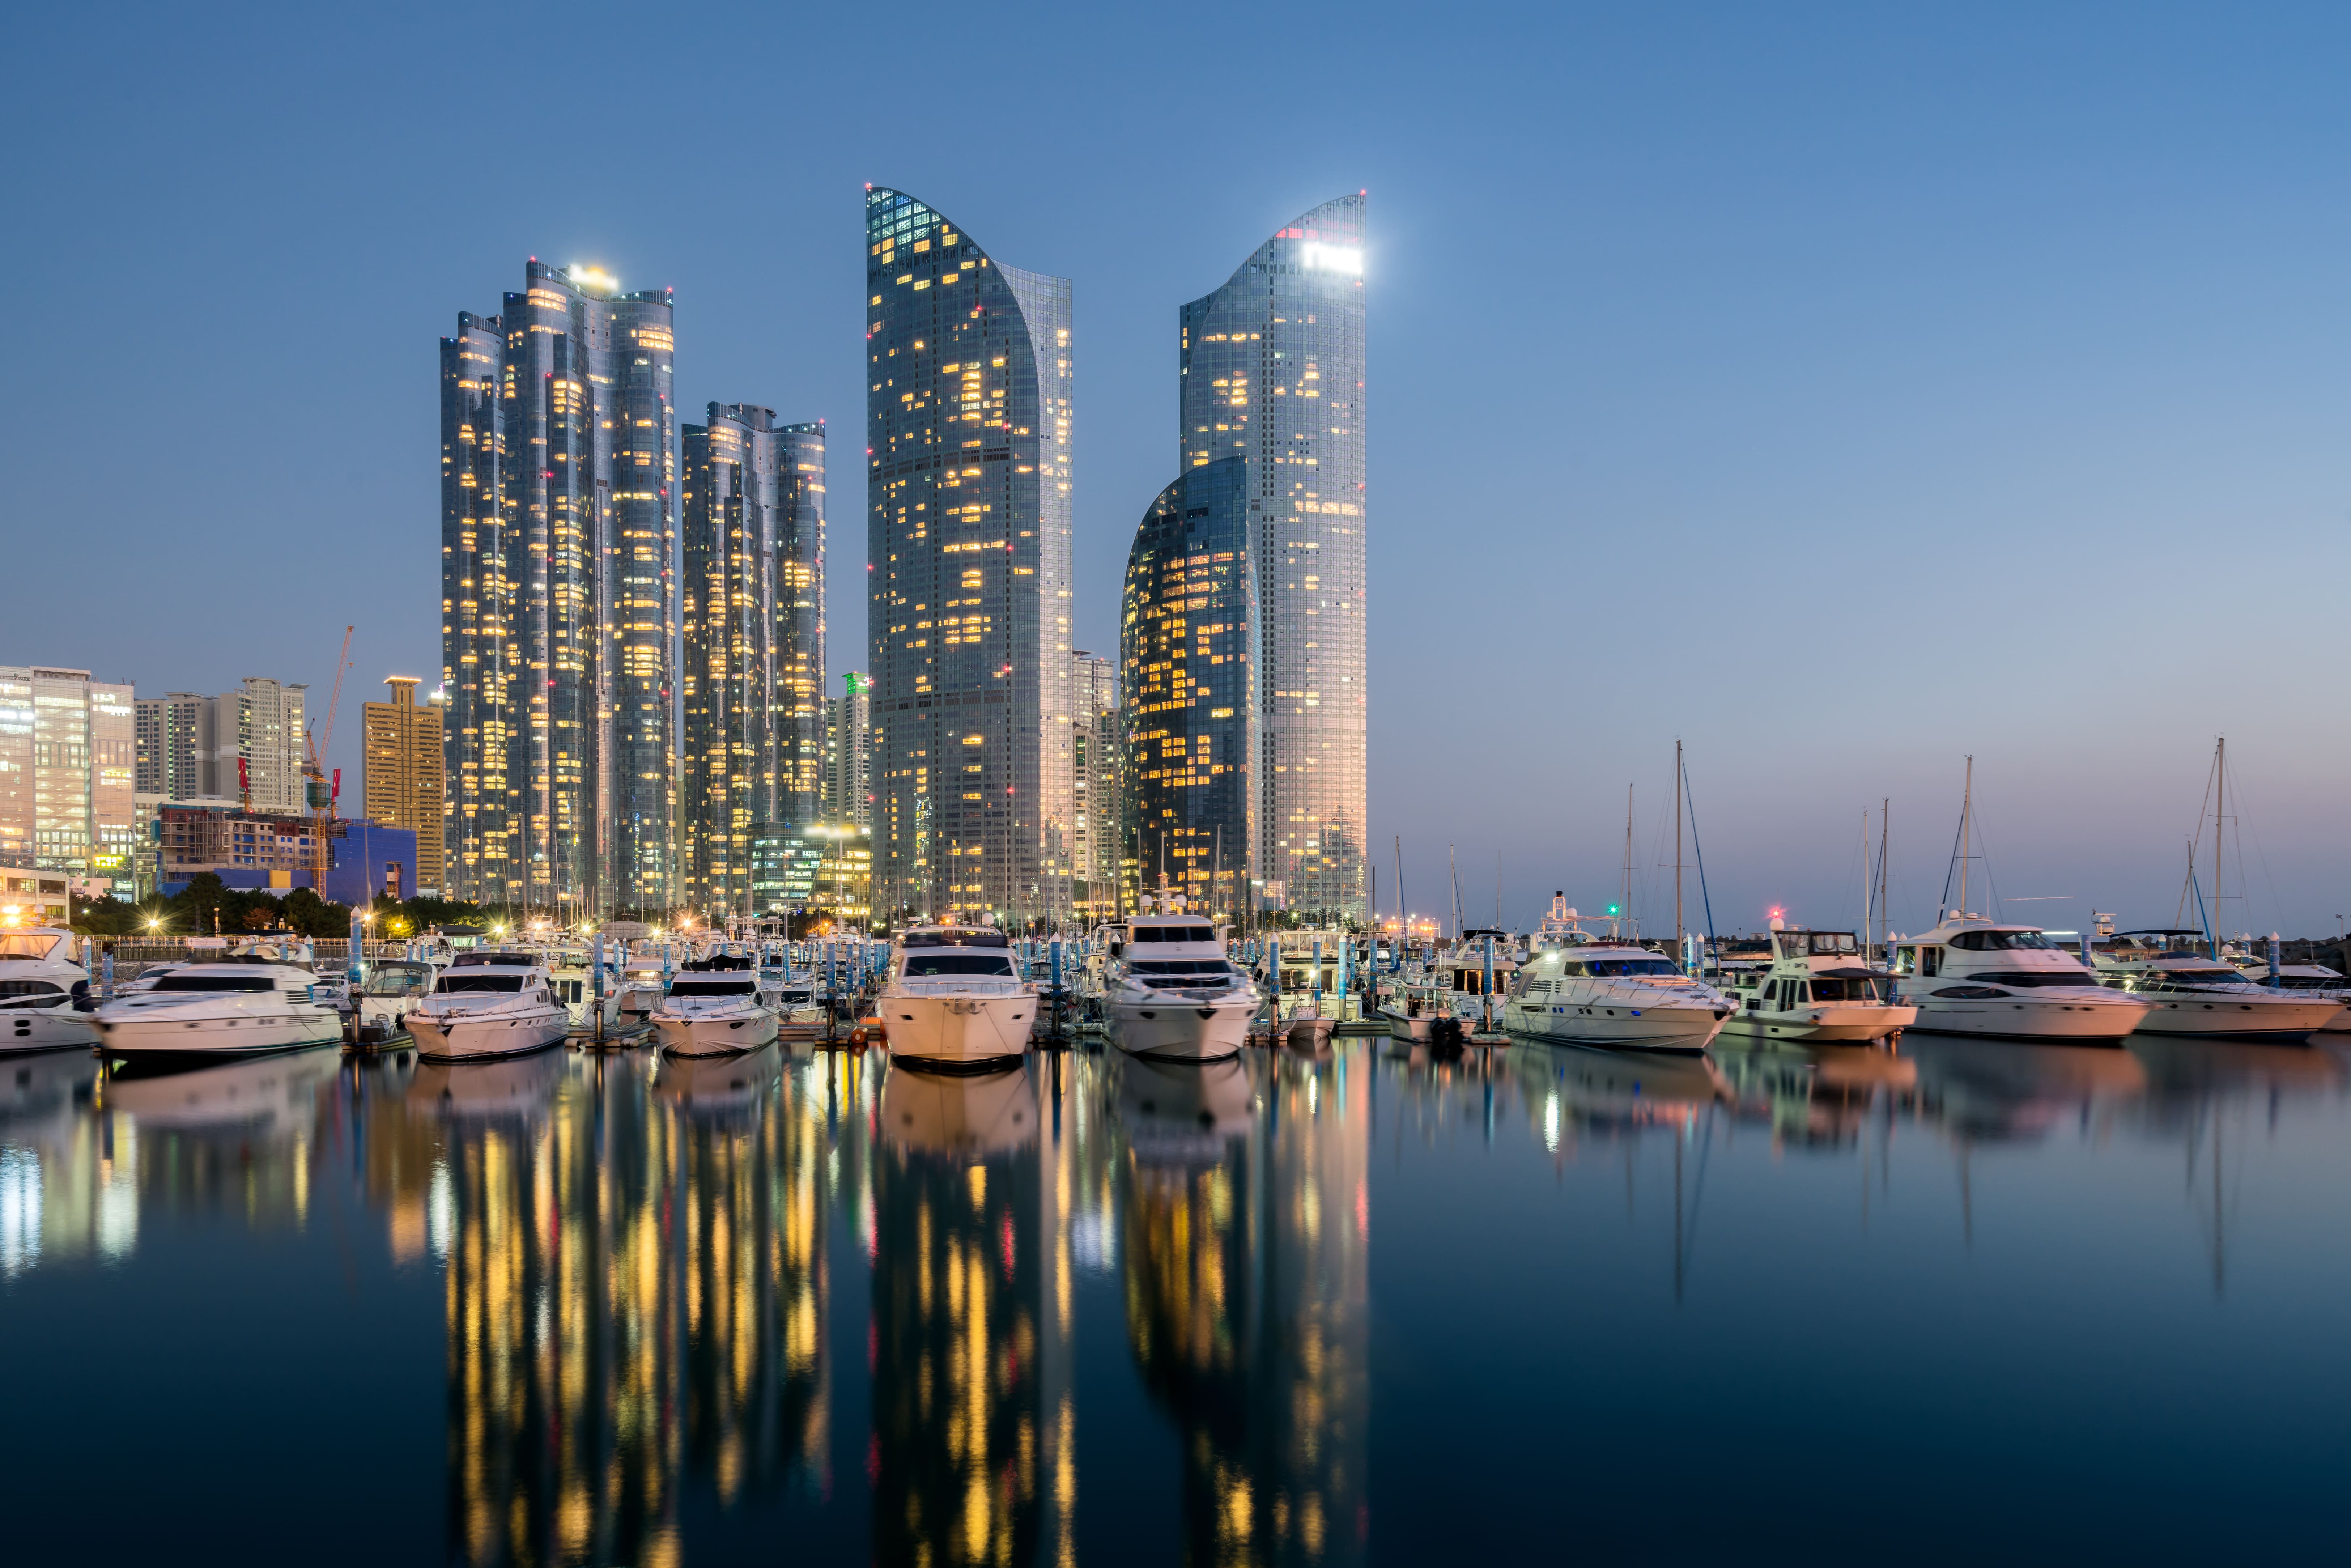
{"x": 900, "y": 1312}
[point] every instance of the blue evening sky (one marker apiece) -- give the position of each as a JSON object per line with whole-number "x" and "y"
{"x": 1841, "y": 389}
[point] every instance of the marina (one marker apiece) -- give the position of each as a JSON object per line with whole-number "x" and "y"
{"x": 1219, "y": 1305}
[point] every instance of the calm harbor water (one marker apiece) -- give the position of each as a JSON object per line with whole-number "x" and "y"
{"x": 1967, "y": 1301}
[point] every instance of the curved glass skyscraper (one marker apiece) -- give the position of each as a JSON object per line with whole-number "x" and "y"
{"x": 1183, "y": 648}
{"x": 968, "y": 617}
{"x": 1274, "y": 374}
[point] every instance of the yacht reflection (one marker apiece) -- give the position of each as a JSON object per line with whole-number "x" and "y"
{"x": 1569, "y": 1087}
{"x": 1986, "y": 1089}
{"x": 1177, "y": 1113}
{"x": 959, "y": 1319}
{"x": 271, "y": 1097}
{"x": 942, "y": 1114}
{"x": 2184, "y": 1073}
{"x": 728, "y": 1089}
{"x": 516, "y": 1087}
{"x": 39, "y": 1094}
{"x": 1813, "y": 1096}
{"x": 1245, "y": 1247}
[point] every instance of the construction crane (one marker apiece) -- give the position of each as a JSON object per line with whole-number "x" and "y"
{"x": 318, "y": 792}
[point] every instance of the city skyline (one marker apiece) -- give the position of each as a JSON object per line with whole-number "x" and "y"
{"x": 1792, "y": 305}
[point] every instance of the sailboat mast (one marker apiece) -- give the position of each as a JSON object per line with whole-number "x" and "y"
{"x": 1624, "y": 899}
{"x": 1404, "y": 922}
{"x": 1966, "y": 842}
{"x": 2219, "y": 789}
{"x": 1679, "y": 929}
{"x": 1885, "y": 836}
{"x": 1865, "y": 879}
{"x": 1453, "y": 870}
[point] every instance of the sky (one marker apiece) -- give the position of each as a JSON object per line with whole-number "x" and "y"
{"x": 1841, "y": 391}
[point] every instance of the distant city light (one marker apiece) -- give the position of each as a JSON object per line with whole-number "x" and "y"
{"x": 594, "y": 277}
{"x": 1333, "y": 259}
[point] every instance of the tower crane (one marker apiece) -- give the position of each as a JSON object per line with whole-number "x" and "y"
{"x": 318, "y": 793}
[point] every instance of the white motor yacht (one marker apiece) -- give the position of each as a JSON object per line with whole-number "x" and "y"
{"x": 1973, "y": 976}
{"x": 220, "y": 1010}
{"x": 2187, "y": 991}
{"x": 485, "y": 1005}
{"x": 951, "y": 1001}
{"x": 1818, "y": 990}
{"x": 1172, "y": 994}
{"x": 713, "y": 1008}
{"x": 1611, "y": 994}
{"x": 45, "y": 997}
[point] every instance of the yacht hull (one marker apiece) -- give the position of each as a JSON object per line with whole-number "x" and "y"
{"x": 730, "y": 1033}
{"x": 24, "y": 1030}
{"x": 2261, "y": 1020}
{"x": 1173, "y": 1030}
{"x": 1419, "y": 1029}
{"x": 2017, "y": 1017}
{"x": 1840, "y": 1026}
{"x": 953, "y": 1033}
{"x": 1673, "y": 1030}
{"x": 487, "y": 1038}
{"x": 166, "y": 1038}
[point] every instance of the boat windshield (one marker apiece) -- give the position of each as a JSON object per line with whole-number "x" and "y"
{"x": 2210, "y": 976}
{"x": 919, "y": 965}
{"x": 711, "y": 988}
{"x": 2002, "y": 942}
{"x": 1190, "y": 933}
{"x": 1181, "y": 967}
{"x": 185, "y": 980}
{"x": 396, "y": 979}
{"x": 2025, "y": 979}
{"x": 1612, "y": 967}
{"x": 956, "y": 938}
{"x": 453, "y": 982}
{"x": 28, "y": 945}
{"x": 1851, "y": 988}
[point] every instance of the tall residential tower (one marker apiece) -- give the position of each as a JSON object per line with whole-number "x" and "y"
{"x": 967, "y": 531}
{"x": 753, "y": 675}
{"x": 558, "y": 478}
{"x": 1274, "y": 374}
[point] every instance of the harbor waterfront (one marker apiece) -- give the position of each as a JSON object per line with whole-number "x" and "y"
{"x": 1959, "y": 1299}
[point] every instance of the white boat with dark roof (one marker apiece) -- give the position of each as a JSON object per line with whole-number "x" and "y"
{"x": 1973, "y": 976}
{"x": 218, "y": 1010}
{"x": 1612, "y": 994}
{"x": 1171, "y": 992}
{"x": 951, "y": 1001}
{"x": 488, "y": 1004}
{"x": 715, "y": 1009}
{"x": 2186, "y": 990}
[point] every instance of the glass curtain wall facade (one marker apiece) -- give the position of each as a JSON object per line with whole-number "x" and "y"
{"x": 559, "y": 595}
{"x": 753, "y": 674}
{"x": 69, "y": 761}
{"x": 968, "y": 495}
{"x": 1098, "y": 769}
{"x": 1185, "y": 645}
{"x": 1274, "y": 374}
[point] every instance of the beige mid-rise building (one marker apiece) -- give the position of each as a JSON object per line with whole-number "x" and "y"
{"x": 402, "y": 787}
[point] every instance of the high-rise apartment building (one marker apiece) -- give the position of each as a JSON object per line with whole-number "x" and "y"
{"x": 849, "y": 753}
{"x": 967, "y": 498}
{"x": 1097, "y": 773}
{"x": 175, "y": 736}
{"x": 558, "y": 484}
{"x": 753, "y": 672}
{"x": 1274, "y": 374}
{"x": 403, "y": 762}
{"x": 1186, "y": 625}
{"x": 263, "y": 725}
{"x": 68, "y": 762}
